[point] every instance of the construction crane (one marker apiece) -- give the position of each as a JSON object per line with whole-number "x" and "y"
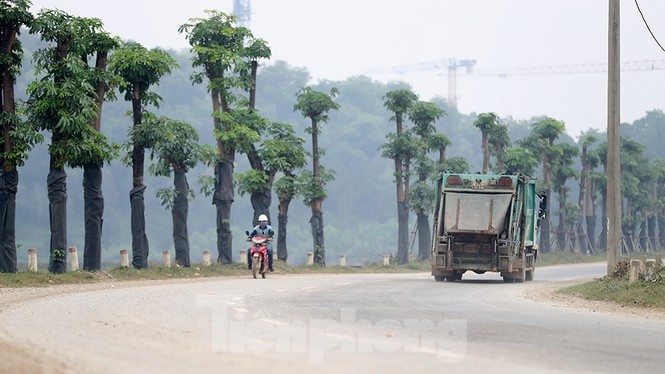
{"x": 242, "y": 10}
{"x": 451, "y": 64}
{"x": 643, "y": 65}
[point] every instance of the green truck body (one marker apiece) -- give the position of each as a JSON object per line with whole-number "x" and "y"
{"x": 485, "y": 222}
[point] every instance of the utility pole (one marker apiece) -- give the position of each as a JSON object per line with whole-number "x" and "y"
{"x": 613, "y": 140}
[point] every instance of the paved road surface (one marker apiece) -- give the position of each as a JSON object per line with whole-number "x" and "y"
{"x": 332, "y": 323}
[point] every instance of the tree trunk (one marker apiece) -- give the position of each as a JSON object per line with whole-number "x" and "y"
{"x": 402, "y": 232}
{"x": 545, "y": 232}
{"x": 627, "y": 232}
{"x": 644, "y": 236}
{"x": 261, "y": 203}
{"x": 223, "y": 199}
{"x": 661, "y": 232}
{"x": 57, "y": 196}
{"x": 100, "y": 65}
{"x": 140, "y": 246}
{"x": 283, "y": 219}
{"x": 651, "y": 230}
{"x": 8, "y": 174}
{"x": 93, "y": 212}
{"x": 92, "y": 186}
{"x": 8, "y": 188}
{"x": 561, "y": 227}
{"x": 317, "y": 233}
{"x": 591, "y": 231}
{"x": 315, "y": 149}
{"x": 486, "y": 152}
{"x": 582, "y": 237}
{"x": 424, "y": 236}
{"x": 179, "y": 213}
{"x": 254, "y": 65}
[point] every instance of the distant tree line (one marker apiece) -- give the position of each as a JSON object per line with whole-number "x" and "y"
{"x": 258, "y": 110}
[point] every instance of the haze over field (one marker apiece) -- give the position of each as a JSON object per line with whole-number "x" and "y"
{"x": 338, "y": 39}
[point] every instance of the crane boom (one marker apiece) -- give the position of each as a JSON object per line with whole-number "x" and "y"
{"x": 643, "y": 65}
{"x": 452, "y": 64}
{"x": 446, "y": 63}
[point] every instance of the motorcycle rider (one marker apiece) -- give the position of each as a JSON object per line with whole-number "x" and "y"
{"x": 265, "y": 230}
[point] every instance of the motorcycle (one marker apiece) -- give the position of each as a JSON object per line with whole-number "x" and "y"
{"x": 259, "y": 255}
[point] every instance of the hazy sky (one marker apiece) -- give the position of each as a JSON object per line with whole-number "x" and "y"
{"x": 336, "y": 39}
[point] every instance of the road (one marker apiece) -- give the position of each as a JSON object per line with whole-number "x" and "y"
{"x": 328, "y": 323}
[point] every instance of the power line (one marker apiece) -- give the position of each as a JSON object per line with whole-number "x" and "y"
{"x": 647, "y": 25}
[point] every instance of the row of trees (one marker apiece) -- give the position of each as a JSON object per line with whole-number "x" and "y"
{"x": 585, "y": 163}
{"x": 67, "y": 100}
{"x": 561, "y": 162}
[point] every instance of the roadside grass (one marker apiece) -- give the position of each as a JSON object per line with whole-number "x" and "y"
{"x": 617, "y": 289}
{"x": 156, "y": 272}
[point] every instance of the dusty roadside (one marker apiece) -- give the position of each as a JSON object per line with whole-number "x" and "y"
{"x": 22, "y": 359}
{"x": 15, "y": 358}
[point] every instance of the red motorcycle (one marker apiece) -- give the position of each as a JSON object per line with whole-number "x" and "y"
{"x": 259, "y": 255}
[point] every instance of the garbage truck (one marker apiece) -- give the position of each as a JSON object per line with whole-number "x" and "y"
{"x": 486, "y": 222}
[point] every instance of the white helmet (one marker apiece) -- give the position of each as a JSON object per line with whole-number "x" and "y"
{"x": 263, "y": 218}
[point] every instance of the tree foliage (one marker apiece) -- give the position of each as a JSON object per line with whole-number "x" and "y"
{"x": 140, "y": 69}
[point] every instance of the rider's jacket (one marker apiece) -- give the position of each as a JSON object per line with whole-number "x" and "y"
{"x": 266, "y": 232}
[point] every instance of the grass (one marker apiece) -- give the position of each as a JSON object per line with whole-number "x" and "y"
{"x": 617, "y": 289}
{"x": 156, "y": 272}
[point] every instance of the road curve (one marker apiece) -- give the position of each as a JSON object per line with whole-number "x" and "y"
{"x": 328, "y": 323}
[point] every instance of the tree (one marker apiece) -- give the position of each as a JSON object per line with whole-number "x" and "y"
{"x": 563, "y": 155}
{"x": 423, "y": 115}
{"x": 399, "y": 102}
{"x": 177, "y": 150}
{"x": 541, "y": 141}
{"x": 659, "y": 183}
{"x": 584, "y": 197}
{"x": 521, "y": 160}
{"x": 486, "y": 122}
{"x": 218, "y": 48}
{"x": 456, "y": 165}
{"x": 635, "y": 175}
{"x": 17, "y": 138}
{"x": 498, "y": 142}
{"x": 140, "y": 69}
{"x": 261, "y": 197}
{"x": 99, "y": 43}
{"x": 439, "y": 142}
{"x": 283, "y": 152}
{"x": 64, "y": 103}
{"x": 316, "y": 105}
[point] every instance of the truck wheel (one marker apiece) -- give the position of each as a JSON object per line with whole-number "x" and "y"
{"x": 439, "y": 278}
{"x": 451, "y": 278}
{"x": 529, "y": 275}
{"x": 521, "y": 275}
{"x": 508, "y": 280}
{"x": 458, "y": 276}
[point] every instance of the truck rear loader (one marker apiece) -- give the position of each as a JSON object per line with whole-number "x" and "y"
{"x": 486, "y": 222}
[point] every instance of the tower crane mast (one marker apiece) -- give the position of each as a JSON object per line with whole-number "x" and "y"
{"x": 242, "y": 10}
{"x": 451, "y": 64}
